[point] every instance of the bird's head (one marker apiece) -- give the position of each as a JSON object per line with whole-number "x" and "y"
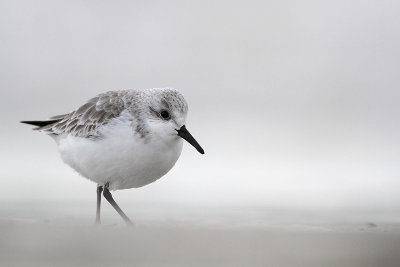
{"x": 167, "y": 111}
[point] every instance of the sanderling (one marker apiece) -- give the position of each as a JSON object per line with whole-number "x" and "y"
{"x": 122, "y": 139}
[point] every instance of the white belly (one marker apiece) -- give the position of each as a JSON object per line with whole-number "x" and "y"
{"x": 122, "y": 159}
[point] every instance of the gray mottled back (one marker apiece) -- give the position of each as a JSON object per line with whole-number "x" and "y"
{"x": 88, "y": 119}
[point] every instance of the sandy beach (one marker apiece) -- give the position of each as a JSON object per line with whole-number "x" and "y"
{"x": 219, "y": 237}
{"x": 295, "y": 103}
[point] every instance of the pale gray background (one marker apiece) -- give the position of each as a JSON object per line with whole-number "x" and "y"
{"x": 296, "y": 103}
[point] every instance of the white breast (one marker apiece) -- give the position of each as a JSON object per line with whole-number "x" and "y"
{"x": 122, "y": 158}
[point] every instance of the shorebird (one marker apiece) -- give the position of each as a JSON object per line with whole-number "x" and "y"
{"x": 122, "y": 139}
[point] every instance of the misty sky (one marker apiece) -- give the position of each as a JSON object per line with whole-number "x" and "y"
{"x": 296, "y": 103}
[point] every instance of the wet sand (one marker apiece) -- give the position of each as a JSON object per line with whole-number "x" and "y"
{"x": 71, "y": 240}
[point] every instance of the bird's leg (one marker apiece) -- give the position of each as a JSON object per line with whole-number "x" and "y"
{"x": 99, "y": 191}
{"x": 110, "y": 199}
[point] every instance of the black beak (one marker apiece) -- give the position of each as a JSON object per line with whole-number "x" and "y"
{"x": 184, "y": 133}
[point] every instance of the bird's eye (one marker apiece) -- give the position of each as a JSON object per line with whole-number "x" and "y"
{"x": 165, "y": 115}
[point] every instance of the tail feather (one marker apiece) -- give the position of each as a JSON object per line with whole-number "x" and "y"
{"x": 40, "y": 123}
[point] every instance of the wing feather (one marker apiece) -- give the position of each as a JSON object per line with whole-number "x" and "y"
{"x": 58, "y": 117}
{"x": 87, "y": 119}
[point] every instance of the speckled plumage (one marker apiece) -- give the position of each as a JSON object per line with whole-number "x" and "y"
{"x": 88, "y": 119}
